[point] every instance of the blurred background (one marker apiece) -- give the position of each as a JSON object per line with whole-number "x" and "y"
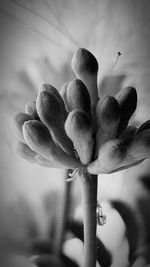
{"x": 37, "y": 41}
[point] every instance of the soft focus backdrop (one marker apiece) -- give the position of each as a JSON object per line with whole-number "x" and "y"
{"x": 37, "y": 41}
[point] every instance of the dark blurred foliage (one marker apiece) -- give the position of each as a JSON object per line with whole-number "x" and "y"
{"x": 132, "y": 228}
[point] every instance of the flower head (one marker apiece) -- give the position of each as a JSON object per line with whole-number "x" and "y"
{"x": 75, "y": 129}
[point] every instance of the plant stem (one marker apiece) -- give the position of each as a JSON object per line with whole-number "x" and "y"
{"x": 63, "y": 214}
{"x": 89, "y": 200}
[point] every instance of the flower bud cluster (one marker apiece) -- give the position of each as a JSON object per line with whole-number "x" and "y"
{"x": 75, "y": 128}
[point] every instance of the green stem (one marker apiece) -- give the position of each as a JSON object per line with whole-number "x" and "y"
{"x": 62, "y": 218}
{"x": 89, "y": 200}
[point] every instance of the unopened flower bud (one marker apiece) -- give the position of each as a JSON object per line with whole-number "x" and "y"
{"x": 63, "y": 92}
{"x": 85, "y": 67}
{"x": 107, "y": 118}
{"x": 140, "y": 146}
{"x": 30, "y": 109}
{"x": 51, "y": 112}
{"x": 77, "y": 96}
{"x": 51, "y": 89}
{"x": 19, "y": 120}
{"x": 143, "y": 126}
{"x": 78, "y": 127}
{"x": 110, "y": 156}
{"x": 45, "y": 162}
{"x": 25, "y": 152}
{"x": 125, "y": 165}
{"x": 127, "y": 99}
{"x": 37, "y": 137}
{"x": 128, "y": 134}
